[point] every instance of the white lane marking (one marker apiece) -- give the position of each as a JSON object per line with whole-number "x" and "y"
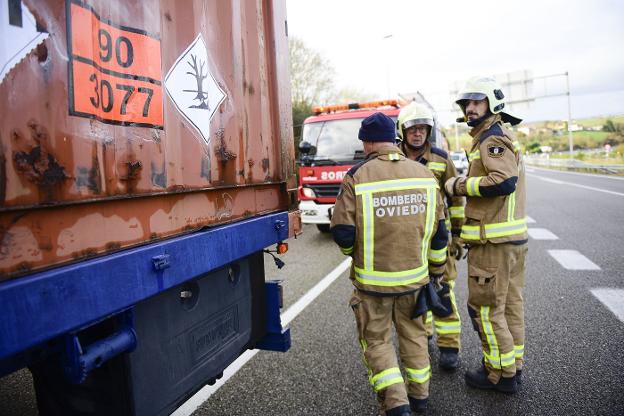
{"x": 542, "y": 234}
{"x": 204, "y": 394}
{"x": 529, "y": 220}
{"x": 591, "y": 175}
{"x": 591, "y": 188}
{"x": 612, "y": 299}
{"x": 573, "y": 260}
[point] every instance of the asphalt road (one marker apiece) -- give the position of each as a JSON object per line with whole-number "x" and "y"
{"x": 574, "y": 355}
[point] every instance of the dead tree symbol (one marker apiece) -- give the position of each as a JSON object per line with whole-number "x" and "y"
{"x": 198, "y": 73}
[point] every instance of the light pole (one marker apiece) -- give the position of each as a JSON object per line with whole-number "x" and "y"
{"x": 567, "y": 74}
{"x": 388, "y": 67}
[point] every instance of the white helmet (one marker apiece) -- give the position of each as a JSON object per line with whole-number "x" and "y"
{"x": 413, "y": 114}
{"x": 479, "y": 88}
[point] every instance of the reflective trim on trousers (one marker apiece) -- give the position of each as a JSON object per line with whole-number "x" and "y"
{"x": 429, "y": 317}
{"x": 418, "y": 375}
{"x": 346, "y": 251}
{"x": 499, "y": 229}
{"x": 440, "y": 167}
{"x": 493, "y": 355}
{"x": 472, "y": 186}
{"x": 386, "y": 378}
{"x": 519, "y": 351}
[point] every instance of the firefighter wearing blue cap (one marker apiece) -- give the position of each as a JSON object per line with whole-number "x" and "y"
{"x": 389, "y": 217}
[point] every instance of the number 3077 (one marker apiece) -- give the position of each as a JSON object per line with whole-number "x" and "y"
{"x": 103, "y": 95}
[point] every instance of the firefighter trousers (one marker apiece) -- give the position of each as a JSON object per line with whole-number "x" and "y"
{"x": 448, "y": 328}
{"x": 496, "y": 305}
{"x": 375, "y": 316}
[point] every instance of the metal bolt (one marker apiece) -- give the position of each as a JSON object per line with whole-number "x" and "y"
{"x": 231, "y": 274}
{"x": 186, "y": 294}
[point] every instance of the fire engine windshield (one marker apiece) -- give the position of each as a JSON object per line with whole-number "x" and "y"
{"x": 336, "y": 140}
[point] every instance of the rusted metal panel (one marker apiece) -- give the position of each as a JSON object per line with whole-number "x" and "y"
{"x": 97, "y": 152}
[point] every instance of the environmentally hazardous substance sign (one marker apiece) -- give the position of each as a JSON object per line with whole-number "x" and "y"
{"x": 114, "y": 70}
{"x": 19, "y": 34}
{"x": 193, "y": 89}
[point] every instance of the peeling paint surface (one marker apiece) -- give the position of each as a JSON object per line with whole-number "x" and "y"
{"x": 95, "y": 231}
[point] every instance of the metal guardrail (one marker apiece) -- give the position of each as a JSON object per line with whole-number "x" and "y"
{"x": 575, "y": 165}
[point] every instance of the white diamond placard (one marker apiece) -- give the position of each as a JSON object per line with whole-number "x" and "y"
{"x": 193, "y": 89}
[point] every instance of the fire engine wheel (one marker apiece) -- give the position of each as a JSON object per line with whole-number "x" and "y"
{"x": 324, "y": 228}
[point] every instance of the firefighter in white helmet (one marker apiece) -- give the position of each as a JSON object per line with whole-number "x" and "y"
{"x": 414, "y": 126}
{"x": 496, "y": 232}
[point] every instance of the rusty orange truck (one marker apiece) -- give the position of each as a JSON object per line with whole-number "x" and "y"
{"x": 147, "y": 164}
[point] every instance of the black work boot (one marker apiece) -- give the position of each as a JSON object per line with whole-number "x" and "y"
{"x": 403, "y": 410}
{"x": 519, "y": 376}
{"x": 478, "y": 379}
{"x": 449, "y": 358}
{"x": 418, "y": 406}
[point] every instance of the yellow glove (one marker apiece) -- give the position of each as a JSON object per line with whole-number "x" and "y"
{"x": 455, "y": 248}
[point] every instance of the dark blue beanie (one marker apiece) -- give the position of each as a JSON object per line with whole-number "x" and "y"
{"x": 377, "y": 127}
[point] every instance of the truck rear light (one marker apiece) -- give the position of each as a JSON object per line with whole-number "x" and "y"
{"x": 282, "y": 248}
{"x": 310, "y": 172}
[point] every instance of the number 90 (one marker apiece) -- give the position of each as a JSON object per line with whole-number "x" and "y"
{"x": 106, "y": 49}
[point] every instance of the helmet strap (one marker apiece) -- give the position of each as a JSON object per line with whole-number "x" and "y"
{"x": 476, "y": 122}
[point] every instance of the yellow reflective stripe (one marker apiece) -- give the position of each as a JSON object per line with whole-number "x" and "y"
{"x": 494, "y": 361}
{"x": 368, "y": 275}
{"x": 456, "y": 212}
{"x": 470, "y": 232}
{"x": 447, "y": 327}
{"x": 429, "y": 317}
{"x": 394, "y": 156}
{"x": 503, "y": 229}
{"x": 499, "y": 229}
{"x": 441, "y": 167}
{"x": 418, "y": 375}
{"x": 406, "y": 277}
{"x": 447, "y": 223}
{"x": 519, "y": 351}
{"x": 430, "y": 214}
{"x": 490, "y": 337}
{"x": 437, "y": 256}
{"x": 508, "y": 358}
{"x": 369, "y": 230}
{"x": 386, "y": 378}
{"x": 474, "y": 155}
{"x": 511, "y": 206}
{"x": 395, "y": 185}
{"x": 347, "y": 250}
{"x": 472, "y": 186}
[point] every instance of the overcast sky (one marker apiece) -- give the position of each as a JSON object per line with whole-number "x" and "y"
{"x": 434, "y": 44}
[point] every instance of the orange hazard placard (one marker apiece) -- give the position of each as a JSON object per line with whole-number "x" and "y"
{"x": 114, "y": 70}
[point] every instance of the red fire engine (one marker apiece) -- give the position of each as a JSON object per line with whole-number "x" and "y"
{"x": 329, "y": 148}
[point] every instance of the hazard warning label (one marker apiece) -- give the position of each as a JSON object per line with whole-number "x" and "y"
{"x": 193, "y": 88}
{"x": 114, "y": 70}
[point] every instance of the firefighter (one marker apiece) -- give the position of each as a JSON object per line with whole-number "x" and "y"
{"x": 389, "y": 217}
{"x": 414, "y": 126}
{"x": 496, "y": 232}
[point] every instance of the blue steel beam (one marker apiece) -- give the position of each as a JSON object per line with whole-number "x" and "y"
{"x": 45, "y": 305}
